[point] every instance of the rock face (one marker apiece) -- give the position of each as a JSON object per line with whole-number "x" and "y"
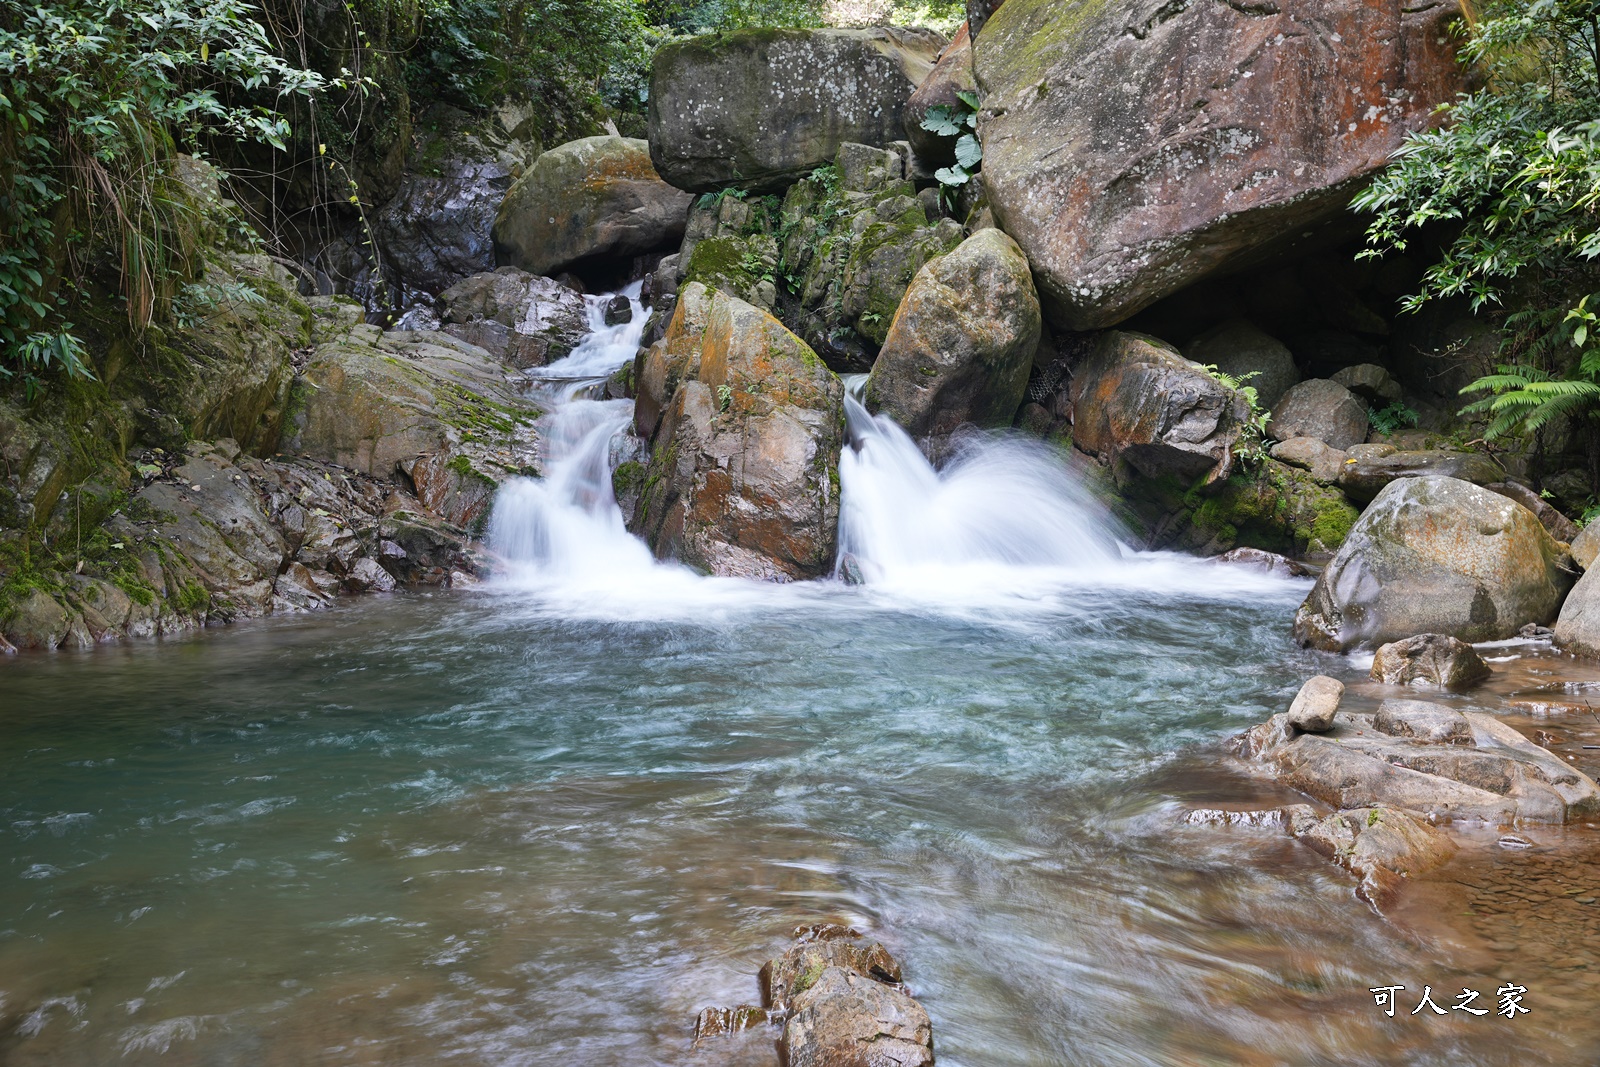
{"x": 759, "y": 108}
{"x": 1425, "y": 766}
{"x": 1236, "y": 347}
{"x": 743, "y": 476}
{"x": 1133, "y": 150}
{"x": 1136, "y": 399}
{"x": 594, "y": 197}
{"x": 1320, "y": 409}
{"x": 519, "y": 318}
{"x": 421, "y": 405}
{"x": 962, "y": 342}
{"x": 1313, "y": 707}
{"x": 1429, "y": 660}
{"x": 951, "y": 75}
{"x": 1586, "y": 545}
{"x": 1578, "y": 628}
{"x": 1435, "y": 555}
{"x": 1365, "y": 474}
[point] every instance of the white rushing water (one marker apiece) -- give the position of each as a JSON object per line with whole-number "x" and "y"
{"x": 1003, "y": 522}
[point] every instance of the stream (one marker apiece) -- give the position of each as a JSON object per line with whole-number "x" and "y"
{"x": 547, "y": 819}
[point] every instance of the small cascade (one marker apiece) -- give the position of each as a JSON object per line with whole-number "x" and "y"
{"x": 1000, "y": 504}
{"x": 568, "y": 521}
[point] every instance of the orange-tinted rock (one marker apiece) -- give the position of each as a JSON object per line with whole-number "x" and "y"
{"x": 1134, "y": 150}
{"x": 597, "y": 196}
{"x": 951, "y": 75}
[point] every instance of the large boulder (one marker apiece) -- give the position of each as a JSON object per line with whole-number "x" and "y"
{"x": 1136, "y": 399}
{"x": 1436, "y": 555}
{"x": 1578, "y": 627}
{"x": 520, "y": 318}
{"x": 1132, "y": 150}
{"x": 759, "y": 108}
{"x": 962, "y": 342}
{"x": 951, "y": 76}
{"x": 1238, "y": 349}
{"x": 743, "y": 476}
{"x": 590, "y": 198}
{"x": 1321, "y": 409}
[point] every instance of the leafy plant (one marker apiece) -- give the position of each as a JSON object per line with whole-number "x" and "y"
{"x": 724, "y": 398}
{"x": 960, "y": 121}
{"x": 1253, "y": 435}
{"x": 1396, "y": 416}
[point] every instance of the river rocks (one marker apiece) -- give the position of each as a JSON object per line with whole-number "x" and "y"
{"x": 1366, "y": 473}
{"x": 1429, "y": 660}
{"x": 588, "y": 199}
{"x": 1560, "y": 527}
{"x": 436, "y": 229}
{"x": 759, "y": 108}
{"x": 1131, "y": 152}
{"x": 1325, "y": 462}
{"x": 519, "y": 318}
{"x": 788, "y": 976}
{"x": 1425, "y": 723}
{"x": 1435, "y": 555}
{"x": 416, "y": 405}
{"x": 1137, "y": 400}
{"x": 851, "y": 242}
{"x": 962, "y": 342}
{"x": 1370, "y": 382}
{"x": 1586, "y": 545}
{"x": 1578, "y": 628}
{"x": 950, "y": 76}
{"x": 743, "y": 472}
{"x": 1499, "y": 777}
{"x": 1320, "y": 409}
{"x": 1237, "y": 348}
{"x": 1381, "y": 846}
{"x": 1313, "y": 707}
{"x": 846, "y": 1020}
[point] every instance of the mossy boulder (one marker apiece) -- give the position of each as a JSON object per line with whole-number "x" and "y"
{"x": 1131, "y": 151}
{"x": 962, "y": 341}
{"x": 759, "y": 108}
{"x": 739, "y": 266}
{"x": 588, "y": 200}
{"x": 742, "y": 478}
{"x": 1436, "y": 555}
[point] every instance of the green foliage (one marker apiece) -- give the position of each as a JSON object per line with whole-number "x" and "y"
{"x": 958, "y": 121}
{"x": 1252, "y": 448}
{"x": 1395, "y": 417}
{"x": 1514, "y": 176}
{"x": 95, "y": 101}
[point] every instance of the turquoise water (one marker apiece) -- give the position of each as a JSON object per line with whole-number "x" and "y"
{"x": 491, "y": 827}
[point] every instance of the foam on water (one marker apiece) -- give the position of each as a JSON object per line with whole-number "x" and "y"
{"x": 1005, "y": 525}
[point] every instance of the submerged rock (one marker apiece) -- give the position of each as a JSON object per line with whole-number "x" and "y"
{"x": 759, "y": 108}
{"x": 962, "y": 342}
{"x": 590, "y": 198}
{"x": 742, "y": 478}
{"x": 1131, "y": 152}
{"x": 1429, "y": 660}
{"x": 1435, "y": 555}
{"x": 1136, "y": 399}
{"x": 1379, "y": 845}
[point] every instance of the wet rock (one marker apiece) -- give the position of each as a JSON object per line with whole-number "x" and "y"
{"x": 1223, "y": 817}
{"x": 1128, "y": 154}
{"x": 1137, "y": 400}
{"x": 788, "y": 976}
{"x": 36, "y": 621}
{"x": 1435, "y": 555}
{"x": 951, "y": 75}
{"x": 1365, "y": 475}
{"x": 760, "y": 108}
{"x": 1500, "y": 777}
{"x": 1586, "y": 545}
{"x": 846, "y": 1020}
{"x": 590, "y": 198}
{"x": 1380, "y": 846}
{"x": 1370, "y": 382}
{"x": 1424, "y": 722}
{"x": 1238, "y": 348}
{"x": 1560, "y": 527}
{"x": 672, "y": 360}
{"x": 743, "y": 472}
{"x": 720, "y": 1022}
{"x": 520, "y": 318}
{"x": 1429, "y": 660}
{"x": 367, "y": 576}
{"x": 1578, "y": 627}
{"x": 1269, "y": 562}
{"x": 1313, "y": 707}
{"x": 1320, "y": 409}
{"x": 962, "y": 341}
{"x": 619, "y": 309}
{"x": 1325, "y": 462}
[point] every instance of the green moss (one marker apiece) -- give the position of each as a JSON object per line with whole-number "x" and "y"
{"x": 192, "y": 599}
{"x": 462, "y": 466}
{"x": 628, "y": 478}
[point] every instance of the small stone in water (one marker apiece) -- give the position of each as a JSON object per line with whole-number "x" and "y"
{"x": 1514, "y": 841}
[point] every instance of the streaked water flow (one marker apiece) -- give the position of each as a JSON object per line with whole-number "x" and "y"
{"x": 547, "y": 820}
